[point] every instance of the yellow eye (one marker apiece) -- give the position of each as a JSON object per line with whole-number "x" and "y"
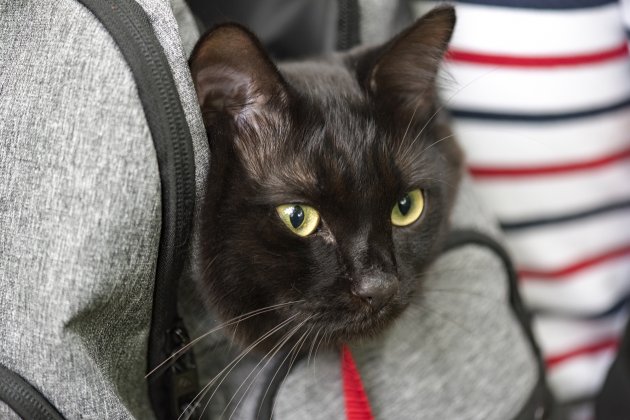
{"x": 300, "y": 219}
{"x": 408, "y": 209}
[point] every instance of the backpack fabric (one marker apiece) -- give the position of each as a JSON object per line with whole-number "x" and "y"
{"x": 103, "y": 157}
{"x": 98, "y": 121}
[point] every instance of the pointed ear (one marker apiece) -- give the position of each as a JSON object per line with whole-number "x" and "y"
{"x": 402, "y": 74}
{"x": 233, "y": 75}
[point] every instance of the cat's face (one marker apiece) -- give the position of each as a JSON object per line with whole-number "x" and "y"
{"x": 330, "y": 182}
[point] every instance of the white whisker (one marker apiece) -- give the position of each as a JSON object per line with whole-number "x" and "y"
{"x": 221, "y": 326}
{"x": 279, "y": 367}
{"x": 301, "y": 340}
{"x": 250, "y": 348}
{"x": 447, "y": 102}
{"x": 275, "y": 350}
{"x": 233, "y": 363}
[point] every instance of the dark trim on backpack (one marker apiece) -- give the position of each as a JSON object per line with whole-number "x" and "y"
{"x": 348, "y": 22}
{"x": 613, "y": 403}
{"x": 272, "y": 384}
{"x": 518, "y": 225}
{"x": 131, "y": 29}
{"x": 22, "y": 397}
{"x": 540, "y": 403}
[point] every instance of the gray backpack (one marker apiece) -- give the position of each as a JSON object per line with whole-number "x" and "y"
{"x": 103, "y": 156}
{"x": 101, "y": 144}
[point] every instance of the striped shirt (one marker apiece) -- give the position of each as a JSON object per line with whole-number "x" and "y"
{"x": 539, "y": 91}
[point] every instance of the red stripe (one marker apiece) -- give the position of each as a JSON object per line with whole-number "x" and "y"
{"x": 355, "y": 398}
{"x": 556, "y": 359}
{"x": 573, "y": 268}
{"x": 531, "y": 61}
{"x": 489, "y": 172}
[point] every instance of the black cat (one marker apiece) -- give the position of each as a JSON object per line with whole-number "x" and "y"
{"x": 331, "y": 182}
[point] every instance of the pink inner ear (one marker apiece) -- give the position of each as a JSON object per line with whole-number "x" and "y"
{"x": 232, "y": 73}
{"x": 226, "y": 90}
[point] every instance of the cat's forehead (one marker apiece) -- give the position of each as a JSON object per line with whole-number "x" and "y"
{"x": 331, "y": 143}
{"x": 337, "y": 152}
{"x": 326, "y": 80}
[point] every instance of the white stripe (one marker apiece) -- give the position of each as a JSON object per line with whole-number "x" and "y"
{"x": 512, "y": 31}
{"x": 560, "y": 336}
{"x": 526, "y": 144}
{"x": 536, "y": 90}
{"x": 580, "y": 377}
{"x": 552, "y": 247}
{"x": 590, "y": 291}
{"x": 522, "y": 198}
{"x": 625, "y": 12}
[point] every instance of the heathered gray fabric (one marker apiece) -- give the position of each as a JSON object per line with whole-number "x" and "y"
{"x": 178, "y": 34}
{"x": 79, "y": 212}
{"x": 80, "y": 205}
{"x": 170, "y": 36}
{"x": 452, "y": 355}
{"x": 6, "y": 413}
{"x": 188, "y": 32}
{"x": 382, "y": 19}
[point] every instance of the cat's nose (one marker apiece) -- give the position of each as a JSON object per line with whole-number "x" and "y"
{"x": 377, "y": 289}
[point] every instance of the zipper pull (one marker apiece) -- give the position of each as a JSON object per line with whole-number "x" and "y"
{"x": 184, "y": 380}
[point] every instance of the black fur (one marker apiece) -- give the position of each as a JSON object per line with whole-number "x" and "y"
{"x": 348, "y": 135}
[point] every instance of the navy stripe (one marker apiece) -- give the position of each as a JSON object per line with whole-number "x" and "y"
{"x": 497, "y": 116}
{"x": 541, "y": 4}
{"x": 615, "y": 309}
{"x": 532, "y": 223}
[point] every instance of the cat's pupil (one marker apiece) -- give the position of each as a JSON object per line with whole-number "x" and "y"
{"x": 297, "y": 216}
{"x": 404, "y": 204}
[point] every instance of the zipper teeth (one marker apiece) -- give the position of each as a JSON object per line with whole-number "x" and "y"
{"x": 183, "y": 189}
{"x": 180, "y": 155}
{"x": 21, "y": 395}
{"x": 26, "y": 397}
{"x": 348, "y": 24}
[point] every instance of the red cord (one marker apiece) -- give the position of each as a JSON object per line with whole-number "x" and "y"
{"x": 356, "y": 401}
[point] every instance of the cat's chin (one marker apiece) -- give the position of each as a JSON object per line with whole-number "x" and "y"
{"x": 364, "y": 325}
{"x": 304, "y": 330}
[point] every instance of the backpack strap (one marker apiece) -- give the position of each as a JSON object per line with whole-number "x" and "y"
{"x": 539, "y": 404}
{"x": 613, "y": 398}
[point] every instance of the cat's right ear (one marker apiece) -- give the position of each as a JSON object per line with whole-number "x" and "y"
{"x": 401, "y": 74}
{"x": 233, "y": 76}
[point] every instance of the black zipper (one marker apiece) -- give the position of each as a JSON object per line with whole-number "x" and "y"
{"x": 131, "y": 29}
{"x": 26, "y": 401}
{"x": 348, "y": 22}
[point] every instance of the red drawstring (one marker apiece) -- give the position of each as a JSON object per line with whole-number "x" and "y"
{"x": 356, "y": 401}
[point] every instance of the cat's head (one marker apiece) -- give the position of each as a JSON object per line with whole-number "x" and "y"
{"x": 330, "y": 181}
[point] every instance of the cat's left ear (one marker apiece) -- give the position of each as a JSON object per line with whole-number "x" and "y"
{"x": 233, "y": 75}
{"x": 402, "y": 73}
